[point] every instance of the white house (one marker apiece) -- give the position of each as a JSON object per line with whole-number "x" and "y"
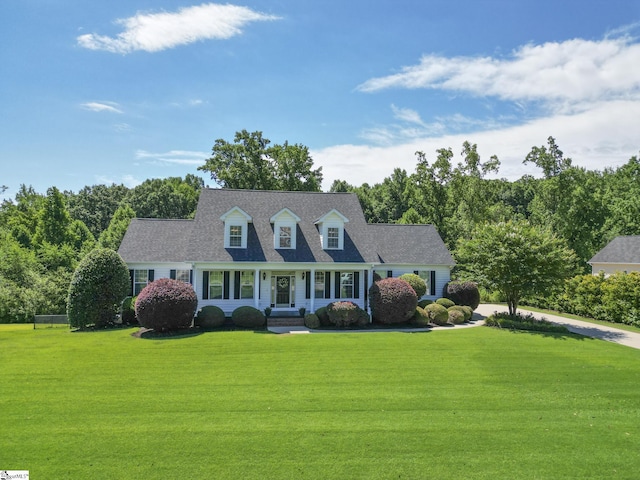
{"x": 283, "y": 250}
{"x": 622, "y": 254}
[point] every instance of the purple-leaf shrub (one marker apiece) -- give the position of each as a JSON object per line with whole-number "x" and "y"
{"x": 392, "y": 300}
{"x": 166, "y": 305}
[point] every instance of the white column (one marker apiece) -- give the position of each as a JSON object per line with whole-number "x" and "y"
{"x": 256, "y": 288}
{"x": 312, "y": 293}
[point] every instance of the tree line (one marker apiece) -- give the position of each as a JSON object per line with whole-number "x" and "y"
{"x": 43, "y": 236}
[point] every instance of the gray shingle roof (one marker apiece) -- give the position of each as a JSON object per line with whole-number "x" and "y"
{"x": 202, "y": 239}
{"x": 624, "y": 249}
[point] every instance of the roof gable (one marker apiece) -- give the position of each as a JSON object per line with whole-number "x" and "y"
{"x": 623, "y": 249}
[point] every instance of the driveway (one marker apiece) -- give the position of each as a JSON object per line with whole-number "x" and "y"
{"x": 609, "y": 334}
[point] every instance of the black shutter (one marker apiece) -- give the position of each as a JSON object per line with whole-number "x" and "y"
{"x": 131, "y": 283}
{"x": 225, "y": 293}
{"x": 191, "y": 277}
{"x": 327, "y": 284}
{"x": 337, "y": 285}
{"x": 356, "y": 284}
{"x": 415, "y": 272}
{"x": 433, "y": 283}
{"x": 308, "y": 284}
{"x": 236, "y": 284}
{"x": 389, "y": 273}
{"x": 151, "y": 276}
{"x": 205, "y": 285}
{"x": 172, "y": 274}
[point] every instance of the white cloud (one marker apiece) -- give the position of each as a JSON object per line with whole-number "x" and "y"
{"x": 176, "y": 157}
{"x": 153, "y": 32}
{"x": 102, "y": 107}
{"x": 127, "y": 180}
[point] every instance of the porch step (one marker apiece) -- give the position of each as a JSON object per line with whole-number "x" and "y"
{"x": 285, "y": 322}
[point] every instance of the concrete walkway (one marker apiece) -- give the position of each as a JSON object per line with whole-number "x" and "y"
{"x": 610, "y": 334}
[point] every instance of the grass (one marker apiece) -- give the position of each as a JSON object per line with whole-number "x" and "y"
{"x": 621, "y": 326}
{"x": 475, "y": 403}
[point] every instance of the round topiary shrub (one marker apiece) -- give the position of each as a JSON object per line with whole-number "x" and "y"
{"x": 129, "y": 311}
{"x": 456, "y": 317}
{"x": 420, "y": 318}
{"x": 424, "y": 303}
{"x": 392, "y": 301}
{"x": 437, "y": 314}
{"x": 417, "y": 283}
{"x": 463, "y": 293}
{"x": 323, "y": 316}
{"x": 311, "y": 320}
{"x": 346, "y": 314}
{"x": 166, "y": 305}
{"x": 210, "y": 316}
{"x": 466, "y": 311}
{"x": 445, "y": 302}
{"x": 248, "y": 317}
{"x": 97, "y": 289}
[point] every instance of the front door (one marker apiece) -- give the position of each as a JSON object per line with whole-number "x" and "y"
{"x": 283, "y": 291}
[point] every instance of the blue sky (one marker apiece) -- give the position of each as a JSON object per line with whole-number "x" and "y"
{"x": 121, "y": 91}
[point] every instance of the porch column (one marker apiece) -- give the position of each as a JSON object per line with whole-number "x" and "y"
{"x": 370, "y": 275}
{"x": 256, "y": 288}
{"x": 312, "y": 293}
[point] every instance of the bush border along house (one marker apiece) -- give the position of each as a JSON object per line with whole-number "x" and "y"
{"x": 281, "y": 250}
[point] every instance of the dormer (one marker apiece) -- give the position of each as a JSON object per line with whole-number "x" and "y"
{"x": 284, "y": 229}
{"x": 236, "y": 223}
{"x": 331, "y": 228}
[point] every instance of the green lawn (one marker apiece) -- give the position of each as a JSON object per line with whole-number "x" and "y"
{"x": 458, "y": 404}
{"x": 621, "y": 326}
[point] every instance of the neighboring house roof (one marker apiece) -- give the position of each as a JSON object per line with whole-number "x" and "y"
{"x": 624, "y": 249}
{"x": 202, "y": 239}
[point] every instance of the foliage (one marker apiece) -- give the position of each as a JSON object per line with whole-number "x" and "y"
{"x": 463, "y": 293}
{"x": 112, "y": 236}
{"x": 210, "y": 316}
{"x": 95, "y": 205}
{"x": 523, "y": 322}
{"x": 445, "y": 302}
{"x": 170, "y": 197}
{"x": 392, "y": 300}
{"x": 516, "y": 259}
{"x": 417, "y": 283}
{"x": 420, "y": 318}
{"x": 423, "y": 303}
{"x": 250, "y": 163}
{"x": 323, "y": 316}
{"x": 437, "y": 313}
{"x": 97, "y": 289}
{"x": 468, "y": 312}
{"x": 311, "y": 320}
{"x": 129, "y": 311}
{"x": 456, "y": 317}
{"x": 166, "y": 305}
{"x": 346, "y": 314}
{"x": 248, "y": 317}
{"x": 464, "y": 310}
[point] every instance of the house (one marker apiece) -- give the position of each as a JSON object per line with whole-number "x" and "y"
{"x": 284, "y": 250}
{"x": 622, "y": 254}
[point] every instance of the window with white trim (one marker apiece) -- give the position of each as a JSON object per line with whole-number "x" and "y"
{"x": 426, "y": 276}
{"x": 235, "y": 236}
{"x": 216, "y": 281}
{"x": 319, "y": 285}
{"x": 183, "y": 275}
{"x": 140, "y": 280}
{"x": 333, "y": 238}
{"x": 246, "y": 283}
{"x": 285, "y": 237}
{"x": 346, "y": 285}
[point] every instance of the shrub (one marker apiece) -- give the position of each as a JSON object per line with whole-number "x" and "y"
{"x": 463, "y": 293}
{"x": 456, "y": 317}
{"x": 420, "y": 318}
{"x": 210, "y": 316}
{"x": 417, "y": 283}
{"x": 523, "y": 322}
{"x": 346, "y": 314}
{"x": 323, "y": 316}
{"x": 248, "y": 317}
{"x": 445, "y": 302}
{"x": 437, "y": 314}
{"x": 424, "y": 303}
{"x": 166, "y": 305}
{"x": 97, "y": 289}
{"x": 311, "y": 320}
{"x": 129, "y": 311}
{"x": 392, "y": 301}
{"x": 465, "y": 313}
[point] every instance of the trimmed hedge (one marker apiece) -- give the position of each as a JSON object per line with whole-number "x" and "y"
{"x": 417, "y": 283}
{"x": 456, "y": 317}
{"x": 445, "y": 302}
{"x": 166, "y": 305}
{"x": 437, "y": 314}
{"x": 424, "y": 303}
{"x": 420, "y": 318}
{"x": 311, "y": 320}
{"x": 465, "y": 310}
{"x": 129, "y": 311}
{"x": 392, "y": 300}
{"x": 248, "y": 317}
{"x": 346, "y": 314}
{"x": 210, "y": 316}
{"x": 462, "y": 293}
{"x": 523, "y": 322}
{"x": 323, "y": 316}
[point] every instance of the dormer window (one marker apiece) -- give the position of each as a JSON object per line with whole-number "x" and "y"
{"x": 284, "y": 229}
{"x": 331, "y": 229}
{"x": 236, "y": 223}
{"x": 333, "y": 238}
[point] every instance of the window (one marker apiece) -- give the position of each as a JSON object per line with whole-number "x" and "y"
{"x": 140, "y": 280}
{"x": 333, "y": 237}
{"x": 216, "y": 280}
{"x": 346, "y": 285}
{"x": 285, "y": 237}
{"x": 246, "y": 284}
{"x": 235, "y": 236}
{"x": 181, "y": 275}
{"x": 319, "y": 285}
{"x": 427, "y": 276}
